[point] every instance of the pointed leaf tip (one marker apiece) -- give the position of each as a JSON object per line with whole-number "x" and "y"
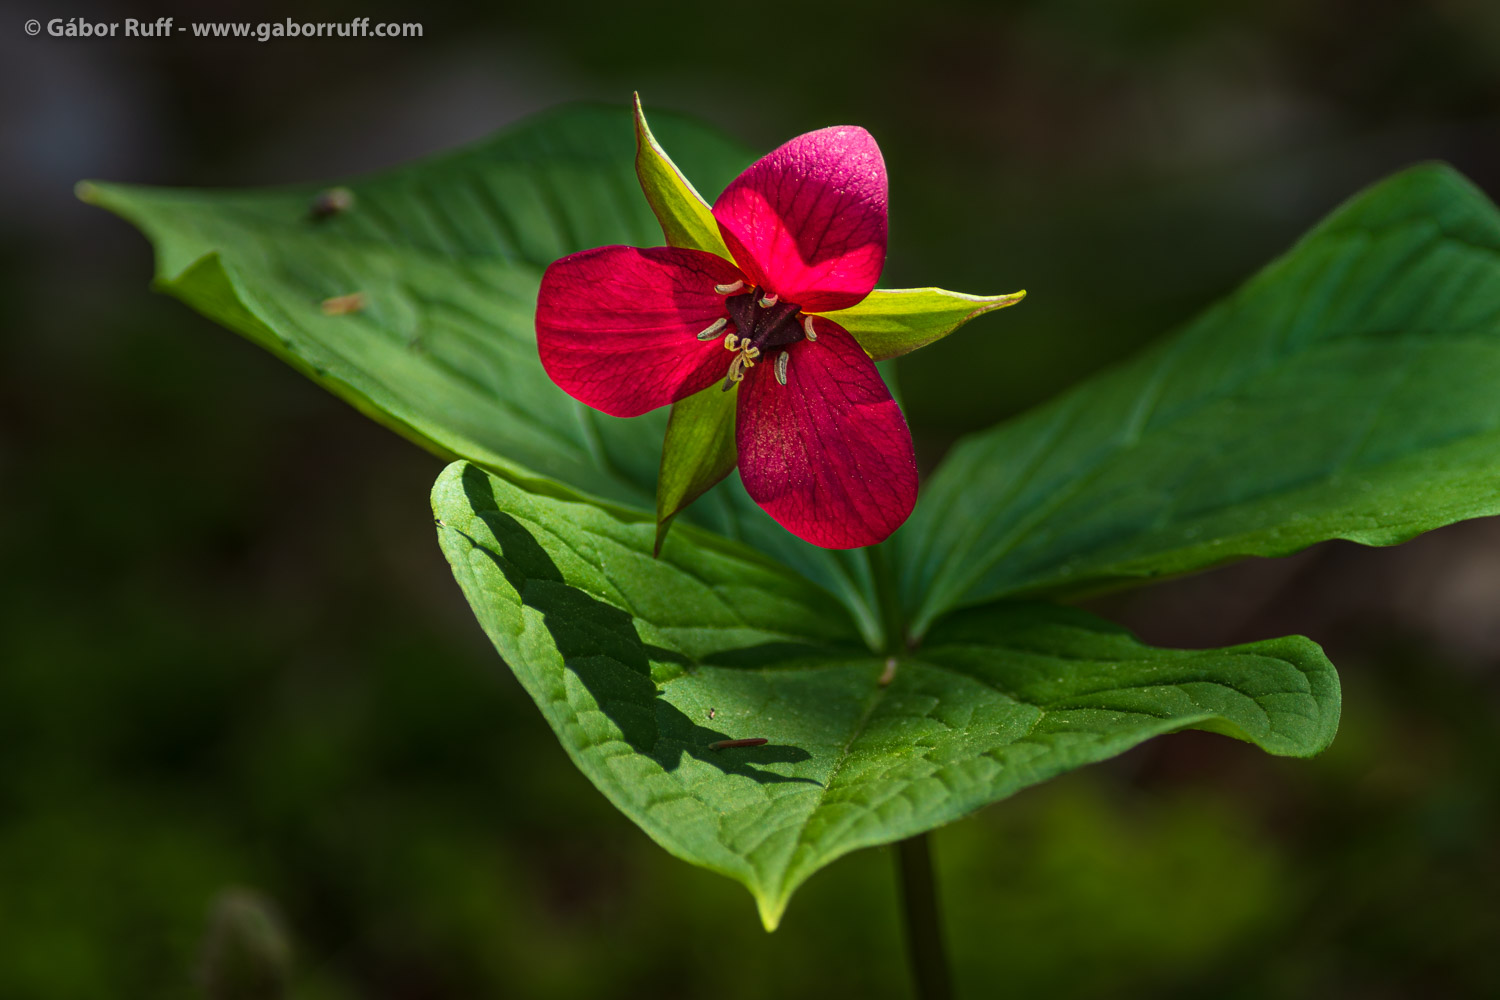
{"x": 685, "y": 218}
{"x": 696, "y": 453}
{"x": 771, "y": 911}
{"x": 890, "y": 322}
{"x": 662, "y": 527}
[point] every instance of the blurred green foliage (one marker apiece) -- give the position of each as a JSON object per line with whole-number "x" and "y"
{"x": 231, "y": 655}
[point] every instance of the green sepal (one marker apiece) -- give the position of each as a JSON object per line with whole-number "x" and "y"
{"x": 697, "y": 452}
{"x": 685, "y": 218}
{"x": 891, "y": 322}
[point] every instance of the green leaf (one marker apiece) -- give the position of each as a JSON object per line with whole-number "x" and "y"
{"x": 686, "y": 220}
{"x": 890, "y": 322}
{"x": 1347, "y": 391}
{"x": 446, "y": 255}
{"x": 641, "y": 665}
{"x": 698, "y": 451}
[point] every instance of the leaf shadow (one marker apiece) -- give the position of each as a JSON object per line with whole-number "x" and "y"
{"x": 599, "y": 644}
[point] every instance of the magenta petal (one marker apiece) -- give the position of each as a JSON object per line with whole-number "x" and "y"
{"x": 807, "y": 221}
{"x": 828, "y": 455}
{"x": 617, "y": 327}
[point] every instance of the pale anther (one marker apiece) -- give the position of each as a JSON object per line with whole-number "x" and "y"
{"x": 729, "y": 289}
{"x": 767, "y": 301}
{"x": 736, "y": 371}
{"x": 807, "y": 326}
{"x": 713, "y": 331}
{"x": 782, "y": 360}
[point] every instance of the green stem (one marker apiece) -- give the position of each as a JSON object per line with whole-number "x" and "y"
{"x": 892, "y": 614}
{"x": 924, "y": 932}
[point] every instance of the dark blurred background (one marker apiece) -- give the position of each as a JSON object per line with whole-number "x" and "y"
{"x": 245, "y": 712}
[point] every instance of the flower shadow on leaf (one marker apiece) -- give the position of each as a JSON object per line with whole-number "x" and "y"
{"x": 599, "y": 644}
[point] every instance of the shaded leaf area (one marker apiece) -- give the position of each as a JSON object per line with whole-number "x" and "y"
{"x": 1347, "y": 391}
{"x": 640, "y": 665}
{"x": 445, "y": 256}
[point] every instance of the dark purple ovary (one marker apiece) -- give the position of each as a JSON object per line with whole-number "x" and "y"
{"x": 765, "y": 327}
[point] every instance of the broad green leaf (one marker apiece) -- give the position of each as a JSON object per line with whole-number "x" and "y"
{"x": 446, "y": 255}
{"x": 641, "y": 665}
{"x": 1346, "y": 391}
{"x": 698, "y": 451}
{"x": 890, "y": 322}
{"x": 685, "y": 218}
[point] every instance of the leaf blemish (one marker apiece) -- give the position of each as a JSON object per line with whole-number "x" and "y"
{"x": 327, "y": 204}
{"x": 731, "y": 744}
{"x": 342, "y": 305}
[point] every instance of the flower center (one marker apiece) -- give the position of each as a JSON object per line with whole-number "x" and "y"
{"x": 763, "y": 324}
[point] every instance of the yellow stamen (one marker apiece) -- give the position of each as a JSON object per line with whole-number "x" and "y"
{"x": 732, "y": 343}
{"x": 737, "y": 369}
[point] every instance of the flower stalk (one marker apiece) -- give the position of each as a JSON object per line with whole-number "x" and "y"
{"x": 926, "y": 952}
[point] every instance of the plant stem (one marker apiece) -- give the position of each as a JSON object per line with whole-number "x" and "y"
{"x": 892, "y": 615}
{"x": 924, "y": 932}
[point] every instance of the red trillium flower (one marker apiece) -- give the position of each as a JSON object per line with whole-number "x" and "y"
{"x": 822, "y": 446}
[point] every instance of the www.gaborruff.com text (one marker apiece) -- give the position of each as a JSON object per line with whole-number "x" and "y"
{"x": 263, "y": 31}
